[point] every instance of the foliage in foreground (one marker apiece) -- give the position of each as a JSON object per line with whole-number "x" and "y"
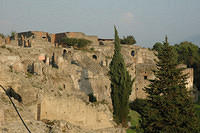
{"x": 170, "y": 108}
{"x": 121, "y": 85}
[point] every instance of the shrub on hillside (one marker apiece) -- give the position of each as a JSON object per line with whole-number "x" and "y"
{"x": 69, "y": 41}
{"x": 130, "y": 40}
{"x": 80, "y": 43}
{"x": 2, "y": 35}
{"x": 83, "y": 43}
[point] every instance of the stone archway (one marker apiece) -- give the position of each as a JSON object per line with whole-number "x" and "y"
{"x": 132, "y": 53}
{"x": 94, "y": 57}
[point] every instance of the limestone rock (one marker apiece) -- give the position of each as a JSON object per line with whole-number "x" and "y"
{"x": 18, "y": 67}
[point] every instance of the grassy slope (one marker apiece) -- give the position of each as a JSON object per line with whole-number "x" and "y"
{"x": 134, "y": 117}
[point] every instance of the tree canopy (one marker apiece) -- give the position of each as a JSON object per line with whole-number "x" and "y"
{"x": 189, "y": 54}
{"x": 170, "y": 108}
{"x": 130, "y": 40}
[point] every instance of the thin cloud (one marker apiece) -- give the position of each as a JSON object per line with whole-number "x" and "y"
{"x": 128, "y": 17}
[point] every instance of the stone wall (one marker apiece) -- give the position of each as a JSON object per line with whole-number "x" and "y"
{"x": 7, "y": 40}
{"x": 78, "y": 35}
{"x": 33, "y": 38}
{"x": 2, "y": 41}
{"x": 1, "y": 117}
{"x": 76, "y": 111}
{"x": 81, "y": 35}
{"x": 105, "y": 41}
{"x": 59, "y": 36}
{"x": 53, "y": 38}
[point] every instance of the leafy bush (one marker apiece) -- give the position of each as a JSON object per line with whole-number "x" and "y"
{"x": 92, "y": 49}
{"x": 3, "y": 46}
{"x": 83, "y": 43}
{"x": 2, "y": 35}
{"x": 134, "y": 118}
{"x": 12, "y": 36}
{"x": 92, "y": 98}
{"x": 80, "y": 43}
{"x": 69, "y": 41}
{"x": 130, "y": 40}
{"x": 138, "y": 105}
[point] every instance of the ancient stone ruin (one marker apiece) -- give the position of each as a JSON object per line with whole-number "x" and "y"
{"x": 54, "y": 82}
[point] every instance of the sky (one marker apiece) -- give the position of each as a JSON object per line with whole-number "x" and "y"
{"x": 149, "y": 21}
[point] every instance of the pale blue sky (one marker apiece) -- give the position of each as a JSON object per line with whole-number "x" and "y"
{"x": 148, "y": 20}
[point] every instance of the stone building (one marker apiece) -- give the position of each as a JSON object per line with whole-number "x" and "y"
{"x": 79, "y": 35}
{"x": 26, "y": 39}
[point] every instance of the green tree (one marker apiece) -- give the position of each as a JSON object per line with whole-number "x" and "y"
{"x": 130, "y": 40}
{"x": 157, "y": 46}
{"x": 12, "y": 36}
{"x": 170, "y": 108}
{"x": 121, "y": 85}
{"x": 189, "y": 53}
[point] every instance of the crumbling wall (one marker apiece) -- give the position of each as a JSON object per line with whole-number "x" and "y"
{"x": 80, "y": 35}
{"x": 1, "y": 117}
{"x": 7, "y": 40}
{"x": 2, "y": 41}
{"x": 144, "y": 73}
{"x": 33, "y": 38}
{"x": 76, "y": 111}
{"x": 105, "y": 41}
{"x": 59, "y": 36}
{"x": 53, "y": 38}
{"x": 190, "y": 78}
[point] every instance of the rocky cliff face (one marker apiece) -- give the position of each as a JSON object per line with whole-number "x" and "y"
{"x": 54, "y": 93}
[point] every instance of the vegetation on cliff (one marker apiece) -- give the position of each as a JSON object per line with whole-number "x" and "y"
{"x": 80, "y": 43}
{"x": 2, "y": 35}
{"x": 170, "y": 108}
{"x": 130, "y": 40}
{"x": 121, "y": 85}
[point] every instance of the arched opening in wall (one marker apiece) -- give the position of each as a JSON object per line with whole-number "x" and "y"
{"x": 145, "y": 77}
{"x": 64, "y": 52}
{"x": 132, "y": 53}
{"x": 94, "y": 57}
{"x": 101, "y": 43}
{"x": 44, "y": 37}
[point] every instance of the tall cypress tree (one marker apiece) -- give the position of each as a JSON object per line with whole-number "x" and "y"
{"x": 121, "y": 85}
{"x": 170, "y": 105}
